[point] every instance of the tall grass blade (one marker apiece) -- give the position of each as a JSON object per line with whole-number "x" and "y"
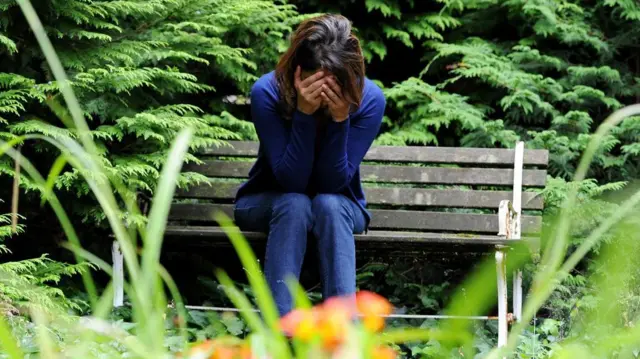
{"x": 45, "y": 343}
{"x": 160, "y": 209}
{"x": 54, "y": 173}
{"x": 103, "y": 192}
{"x": 546, "y": 280}
{"x": 179, "y": 303}
{"x": 65, "y": 222}
{"x": 58, "y": 72}
{"x": 8, "y": 342}
{"x": 257, "y": 281}
{"x": 300, "y": 298}
{"x": 249, "y": 261}
{"x": 241, "y": 302}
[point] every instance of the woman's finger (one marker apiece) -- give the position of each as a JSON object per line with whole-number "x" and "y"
{"x": 311, "y": 79}
{"x": 314, "y": 86}
{"x": 334, "y": 86}
{"x": 296, "y": 78}
{"x": 331, "y": 94}
{"x": 316, "y": 93}
{"x": 327, "y": 99}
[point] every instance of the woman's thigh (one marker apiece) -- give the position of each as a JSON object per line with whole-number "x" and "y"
{"x": 254, "y": 212}
{"x": 337, "y": 207}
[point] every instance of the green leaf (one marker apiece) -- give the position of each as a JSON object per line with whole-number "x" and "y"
{"x": 234, "y": 325}
{"x": 386, "y": 7}
{"x": 8, "y": 44}
{"x": 393, "y": 33}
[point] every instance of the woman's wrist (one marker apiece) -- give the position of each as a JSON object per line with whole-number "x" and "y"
{"x": 339, "y": 119}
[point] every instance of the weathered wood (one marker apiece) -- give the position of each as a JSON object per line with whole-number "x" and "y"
{"x": 398, "y": 174}
{"x": 382, "y": 219}
{"x": 218, "y": 234}
{"x": 420, "y": 154}
{"x": 392, "y": 196}
{"x": 444, "y": 221}
{"x": 446, "y": 198}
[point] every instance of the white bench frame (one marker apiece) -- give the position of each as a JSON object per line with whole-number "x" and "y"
{"x": 509, "y": 221}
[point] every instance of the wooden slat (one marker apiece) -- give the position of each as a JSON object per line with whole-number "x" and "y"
{"x": 382, "y": 219}
{"x": 420, "y": 154}
{"x": 442, "y": 221}
{"x": 398, "y": 174}
{"x": 393, "y": 196}
{"x": 446, "y": 198}
{"x": 218, "y": 234}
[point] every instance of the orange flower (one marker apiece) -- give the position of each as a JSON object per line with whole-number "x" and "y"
{"x": 224, "y": 352}
{"x": 245, "y": 351}
{"x": 373, "y": 307}
{"x": 383, "y": 352}
{"x": 330, "y": 320}
{"x": 201, "y": 351}
{"x": 299, "y": 323}
{"x": 215, "y": 349}
{"x": 333, "y": 321}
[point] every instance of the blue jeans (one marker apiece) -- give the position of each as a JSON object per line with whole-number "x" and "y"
{"x": 288, "y": 218}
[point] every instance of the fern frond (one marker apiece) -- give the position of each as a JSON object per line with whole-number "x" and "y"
{"x": 37, "y": 126}
{"x": 386, "y": 7}
{"x": 9, "y": 45}
{"x": 627, "y": 9}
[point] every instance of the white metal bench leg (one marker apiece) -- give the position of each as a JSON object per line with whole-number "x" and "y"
{"x": 503, "y": 329}
{"x": 517, "y": 295}
{"x": 516, "y": 228}
{"x": 118, "y": 275}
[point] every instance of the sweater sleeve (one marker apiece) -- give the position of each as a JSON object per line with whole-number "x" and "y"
{"x": 290, "y": 153}
{"x": 346, "y": 143}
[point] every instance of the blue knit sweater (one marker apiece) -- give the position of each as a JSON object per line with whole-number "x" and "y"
{"x": 298, "y": 156}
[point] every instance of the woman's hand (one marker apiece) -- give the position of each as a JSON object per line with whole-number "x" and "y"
{"x": 309, "y": 89}
{"x": 333, "y": 98}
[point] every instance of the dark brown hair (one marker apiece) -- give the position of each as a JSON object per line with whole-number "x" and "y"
{"x": 327, "y": 43}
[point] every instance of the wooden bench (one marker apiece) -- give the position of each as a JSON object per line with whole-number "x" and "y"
{"x": 424, "y": 197}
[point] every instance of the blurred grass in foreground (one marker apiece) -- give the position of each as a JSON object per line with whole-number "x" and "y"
{"x": 148, "y": 282}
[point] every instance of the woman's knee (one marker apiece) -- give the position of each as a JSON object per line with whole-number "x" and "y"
{"x": 293, "y": 206}
{"x": 329, "y": 206}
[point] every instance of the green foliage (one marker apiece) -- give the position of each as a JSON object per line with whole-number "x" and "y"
{"x": 627, "y": 9}
{"x": 493, "y": 72}
{"x": 31, "y": 284}
{"x": 428, "y": 109}
{"x": 142, "y": 71}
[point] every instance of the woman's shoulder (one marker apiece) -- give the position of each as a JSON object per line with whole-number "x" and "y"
{"x": 266, "y": 82}
{"x": 372, "y": 97}
{"x": 372, "y": 90}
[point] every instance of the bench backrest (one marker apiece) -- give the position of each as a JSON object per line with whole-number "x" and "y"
{"x": 428, "y": 189}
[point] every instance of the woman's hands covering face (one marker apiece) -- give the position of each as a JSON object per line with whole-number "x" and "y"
{"x": 308, "y": 90}
{"x": 334, "y": 99}
{"x": 317, "y": 90}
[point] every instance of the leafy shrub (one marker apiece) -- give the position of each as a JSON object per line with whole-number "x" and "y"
{"x": 30, "y": 284}
{"x": 142, "y": 71}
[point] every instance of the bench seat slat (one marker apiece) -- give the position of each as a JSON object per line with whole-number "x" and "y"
{"x": 218, "y": 234}
{"x": 421, "y": 154}
{"x": 397, "y": 174}
{"x": 392, "y": 196}
{"x": 382, "y": 219}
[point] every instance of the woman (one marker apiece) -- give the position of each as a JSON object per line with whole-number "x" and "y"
{"x": 316, "y": 116}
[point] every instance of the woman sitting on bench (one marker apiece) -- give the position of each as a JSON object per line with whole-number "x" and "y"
{"x": 316, "y": 116}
